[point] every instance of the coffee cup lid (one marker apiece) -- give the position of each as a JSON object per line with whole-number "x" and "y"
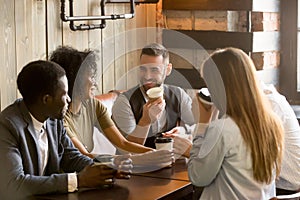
{"x": 163, "y": 140}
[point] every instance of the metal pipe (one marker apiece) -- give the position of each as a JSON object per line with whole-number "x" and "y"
{"x": 102, "y": 5}
{"x": 131, "y": 8}
{"x": 102, "y": 17}
{"x": 83, "y": 27}
{"x": 62, "y": 10}
{"x": 136, "y": 1}
{"x": 98, "y": 17}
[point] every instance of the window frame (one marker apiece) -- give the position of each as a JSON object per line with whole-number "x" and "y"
{"x": 288, "y": 47}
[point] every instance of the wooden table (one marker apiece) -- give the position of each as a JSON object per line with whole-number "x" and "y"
{"x": 177, "y": 172}
{"x": 168, "y": 183}
{"x": 136, "y": 188}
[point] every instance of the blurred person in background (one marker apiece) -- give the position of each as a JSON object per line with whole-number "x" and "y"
{"x": 288, "y": 181}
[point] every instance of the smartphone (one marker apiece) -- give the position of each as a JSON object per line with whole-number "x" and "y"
{"x": 204, "y": 96}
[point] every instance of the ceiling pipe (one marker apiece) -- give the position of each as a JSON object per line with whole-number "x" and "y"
{"x": 102, "y": 17}
{"x": 136, "y": 1}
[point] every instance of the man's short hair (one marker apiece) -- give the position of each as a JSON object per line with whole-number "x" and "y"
{"x": 38, "y": 78}
{"x": 155, "y": 49}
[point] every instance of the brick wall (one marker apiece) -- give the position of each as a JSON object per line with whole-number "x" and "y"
{"x": 226, "y": 21}
{"x": 262, "y": 21}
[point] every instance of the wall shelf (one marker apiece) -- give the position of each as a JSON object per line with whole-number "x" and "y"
{"x": 211, "y": 40}
{"x": 233, "y": 5}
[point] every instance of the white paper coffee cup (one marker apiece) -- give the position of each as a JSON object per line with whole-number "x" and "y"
{"x": 164, "y": 144}
{"x": 155, "y": 93}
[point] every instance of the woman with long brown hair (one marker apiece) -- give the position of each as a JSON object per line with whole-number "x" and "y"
{"x": 238, "y": 155}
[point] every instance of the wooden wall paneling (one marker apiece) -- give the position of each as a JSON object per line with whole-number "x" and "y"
{"x": 30, "y": 39}
{"x": 251, "y": 5}
{"x": 151, "y": 23}
{"x": 141, "y": 24}
{"x": 30, "y": 31}
{"x": 95, "y": 35}
{"x": 140, "y": 15}
{"x": 120, "y": 49}
{"x": 136, "y": 39}
{"x": 108, "y": 51}
{"x": 160, "y": 21}
{"x": 7, "y": 54}
{"x": 131, "y": 47}
{"x": 95, "y": 39}
{"x": 76, "y": 39}
{"x": 24, "y": 28}
{"x": 54, "y": 26}
{"x": 39, "y": 29}
{"x": 151, "y": 15}
{"x": 137, "y": 36}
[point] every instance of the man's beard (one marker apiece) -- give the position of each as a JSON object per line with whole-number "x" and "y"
{"x": 153, "y": 84}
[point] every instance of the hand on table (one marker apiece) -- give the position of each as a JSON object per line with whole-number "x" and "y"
{"x": 96, "y": 175}
{"x": 158, "y": 157}
{"x": 123, "y": 165}
{"x": 182, "y": 143}
{"x": 152, "y": 160}
{"x": 100, "y": 174}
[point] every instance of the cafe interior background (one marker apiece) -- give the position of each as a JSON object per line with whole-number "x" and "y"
{"x": 266, "y": 30}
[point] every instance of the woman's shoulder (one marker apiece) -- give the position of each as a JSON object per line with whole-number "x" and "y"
{"x": 225, "y": 126}
{"x": 227, "y": 131}
{"x": 94, "y": 103}
{"x": 224, "y": 122}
